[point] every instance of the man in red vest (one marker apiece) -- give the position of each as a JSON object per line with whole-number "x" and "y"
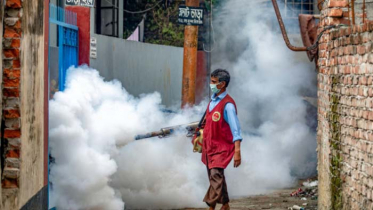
{"x": 221, "y": 139}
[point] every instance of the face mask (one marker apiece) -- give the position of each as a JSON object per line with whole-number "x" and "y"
{"x": 214, "y": 89}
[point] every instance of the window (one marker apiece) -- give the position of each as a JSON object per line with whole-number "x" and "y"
{"x": 291, "y": 12}
{"x": 295, "y": 7}
{"x": 107, "y": 17}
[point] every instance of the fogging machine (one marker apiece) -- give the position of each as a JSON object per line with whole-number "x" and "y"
{"x": 165, "y": 132}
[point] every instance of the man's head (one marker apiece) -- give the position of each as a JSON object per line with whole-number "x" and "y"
{"x": 220, "y": 78}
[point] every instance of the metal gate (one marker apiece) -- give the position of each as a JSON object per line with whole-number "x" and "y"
{"x": 67, "y": 40}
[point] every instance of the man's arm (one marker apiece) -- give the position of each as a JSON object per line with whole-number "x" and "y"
{"x": 231, "y": 118}
{"x": 237, "y": 154}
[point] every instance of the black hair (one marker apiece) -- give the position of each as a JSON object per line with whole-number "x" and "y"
{"x": 222, "y": 75}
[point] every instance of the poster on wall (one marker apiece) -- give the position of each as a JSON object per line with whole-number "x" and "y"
{"x": 84, "y": 3}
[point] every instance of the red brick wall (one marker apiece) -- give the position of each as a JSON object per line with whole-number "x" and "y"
{"x": 345, "y": 111}
{"x": 11, "y": 93}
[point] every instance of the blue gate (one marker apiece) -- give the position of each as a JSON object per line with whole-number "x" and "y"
{"x": 67, "y": 40}
{"x": 67, "y": 43}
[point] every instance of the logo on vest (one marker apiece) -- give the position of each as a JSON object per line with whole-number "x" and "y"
{"x": 216, "y": 116}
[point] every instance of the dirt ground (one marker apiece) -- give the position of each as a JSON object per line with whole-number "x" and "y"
{"x": 277, "y": 200}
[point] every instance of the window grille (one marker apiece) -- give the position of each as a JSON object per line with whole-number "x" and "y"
{"x": 295, "y": 7}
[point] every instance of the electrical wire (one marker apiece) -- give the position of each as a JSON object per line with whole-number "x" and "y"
{"x": 213, "y": 33}
{"x": 314, "y": 46}
{"x": 135, "y": 12}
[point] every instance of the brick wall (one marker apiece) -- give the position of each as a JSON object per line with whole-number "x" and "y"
{"x": 345, "y": 111}
{"x": 24, "y": 82}
{"x": 1, "y": 79}
{"x": 11, "y": 132}
{"x": 11, "y": 92}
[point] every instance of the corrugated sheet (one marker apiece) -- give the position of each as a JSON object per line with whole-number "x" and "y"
{"x": 141, "y": 67}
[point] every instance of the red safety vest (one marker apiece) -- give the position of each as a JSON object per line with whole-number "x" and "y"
{"x": 218, "y": 146}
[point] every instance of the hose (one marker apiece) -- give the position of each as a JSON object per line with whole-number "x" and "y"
{"x": 314, "y": 46}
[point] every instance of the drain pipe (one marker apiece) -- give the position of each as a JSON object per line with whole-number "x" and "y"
{"x": 283, "y": 30}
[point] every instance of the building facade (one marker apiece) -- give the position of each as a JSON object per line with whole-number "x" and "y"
{"x": 24, "y": 128}
{"x": 345, "y": 106}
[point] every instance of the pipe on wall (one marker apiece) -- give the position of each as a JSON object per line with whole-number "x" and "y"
{"x": 283, "y": 30}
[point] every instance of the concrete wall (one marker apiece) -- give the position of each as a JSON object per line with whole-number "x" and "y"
{"x": 155, "y": 67}
{"x": 24, "y": 178}
{"x": 53, "y": 29}
{"x": 345, "y": 114}
{"x": 53, "y": 70}
{"x": 32, "y": 101}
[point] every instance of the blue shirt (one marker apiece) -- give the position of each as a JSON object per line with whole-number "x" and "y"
{"x": 230, "y": 115}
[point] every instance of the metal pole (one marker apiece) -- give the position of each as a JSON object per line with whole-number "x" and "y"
{"x": 353, "y": 11}
{"x": 348, "y": 9}
{"x": 364, "y": 11}
{"x": 283, "y": 30}
{"x": 209, "y": 53}
{"x": 113, "y": 18}
{"x": 189, "y": 61}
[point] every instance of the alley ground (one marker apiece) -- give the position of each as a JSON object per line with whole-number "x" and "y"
{"x": 277, "y": 200}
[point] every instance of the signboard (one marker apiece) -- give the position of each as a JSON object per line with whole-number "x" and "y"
{"x": 86, "y": 3}
{"x": 73, "y": 2}
{"x": 93, "y": 48}
{"x": 190, "y": 15}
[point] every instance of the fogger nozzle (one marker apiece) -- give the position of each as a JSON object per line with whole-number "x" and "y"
{"x": 164, "y": 132}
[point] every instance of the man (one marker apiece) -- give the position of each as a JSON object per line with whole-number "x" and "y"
{"x": 221, "y": 139}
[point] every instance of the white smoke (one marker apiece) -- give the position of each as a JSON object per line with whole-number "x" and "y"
{"x": 92, "y": 125}
{"x": 97, "y": 166}
{"x": 268, "y": 81}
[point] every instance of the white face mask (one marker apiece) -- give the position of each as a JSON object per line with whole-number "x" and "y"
{"x": 214, "y": 88}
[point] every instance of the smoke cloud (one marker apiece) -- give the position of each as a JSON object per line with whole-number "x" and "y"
{"x": 93, "y": 123}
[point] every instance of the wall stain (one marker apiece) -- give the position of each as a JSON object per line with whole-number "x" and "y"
{"x": 32, "y": 100}
{"x": 335, "y": 146}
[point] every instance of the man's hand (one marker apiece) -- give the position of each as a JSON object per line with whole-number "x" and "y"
{"x": 237, "y": 158}
{"x": 237, "y": 153}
